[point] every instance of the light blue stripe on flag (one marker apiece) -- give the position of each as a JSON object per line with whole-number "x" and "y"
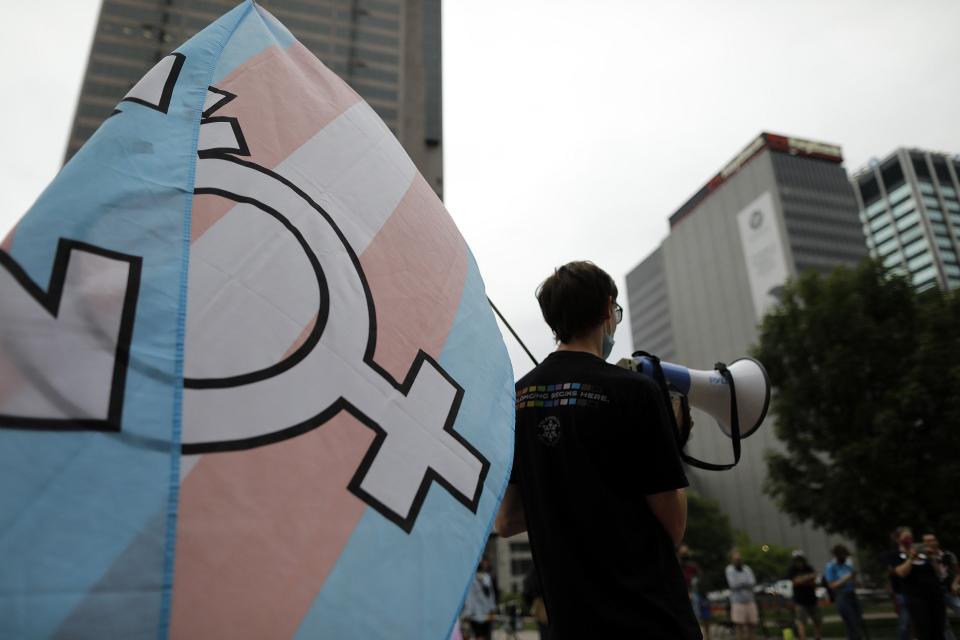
{"x": 256, "y": 33}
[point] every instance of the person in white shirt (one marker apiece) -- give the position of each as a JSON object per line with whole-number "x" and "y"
{"x": 743, "y": 606}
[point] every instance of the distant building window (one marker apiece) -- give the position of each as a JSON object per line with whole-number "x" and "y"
{"x": 883, "y": 234}
{"x": 520, "y": 566}
{"x": 876, "y": 208}
{"x": 892, "y": 174}
{"x": 892, "y": 260}
{"x": 887, "y": 247}
{"x": 911, "y": 234}
{"x": 917, "y": 246}
{"x": 924, "y": 276}
{"x": 908, "y": 221}
{"x": 940, "y": 168}
{"x": 519, "y": 547}
{"x": 919, "y": 262}
{"x": 899, "y": 194}
{"x": 869, "y": 189}
{"x": 920, "y": 166}
{"x": 903, "y": 208}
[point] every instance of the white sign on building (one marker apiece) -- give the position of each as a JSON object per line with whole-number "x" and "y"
{"x": 763, "y": 252}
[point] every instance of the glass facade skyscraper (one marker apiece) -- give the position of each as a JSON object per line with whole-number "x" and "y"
{"x": 387, "y": 50}
{"x": 910, "y": 209}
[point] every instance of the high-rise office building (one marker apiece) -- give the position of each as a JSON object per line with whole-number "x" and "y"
{"x": 782, "y": 206}
{"x": 387, "y": 50}
{"x": 910, "y": 210}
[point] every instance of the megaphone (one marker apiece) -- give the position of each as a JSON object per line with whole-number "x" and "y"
{"x": 710, "y": 391}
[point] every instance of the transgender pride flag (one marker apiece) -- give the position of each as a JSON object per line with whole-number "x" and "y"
{"x": 250, "y": 386}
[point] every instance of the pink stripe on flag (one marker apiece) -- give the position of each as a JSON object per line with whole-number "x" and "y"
{"x": 284, "y": 98}
{"x": 260, "y": 530}
{"x": 416, "y": 267}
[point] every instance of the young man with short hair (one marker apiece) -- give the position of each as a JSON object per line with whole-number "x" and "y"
{"x": 597, "y": 478}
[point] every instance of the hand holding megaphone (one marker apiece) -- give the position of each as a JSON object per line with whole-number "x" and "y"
{"x": 736, "y": 396}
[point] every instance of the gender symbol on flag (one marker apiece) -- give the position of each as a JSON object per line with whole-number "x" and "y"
{"x": 333, "y": 369}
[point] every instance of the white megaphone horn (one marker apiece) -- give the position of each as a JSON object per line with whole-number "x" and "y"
{"x": 709, "y": 391}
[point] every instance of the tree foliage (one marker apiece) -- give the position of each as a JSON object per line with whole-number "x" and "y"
{"x": 769, "y": 562}
{"x": 867, "y": 403}
{"x": 710, "y": 537}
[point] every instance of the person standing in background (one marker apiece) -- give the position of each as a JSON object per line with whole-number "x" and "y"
{"x": 692, "y": 575}
{"x": 904, "y": 625}
{"x": 841, "y": 577}
{"x": 743, "y": 604}
{"x": 806, "y": 607}
{"x": 480, "y": 607}
{"x": 945, "y": 564}
{"x": 921, "y": 588}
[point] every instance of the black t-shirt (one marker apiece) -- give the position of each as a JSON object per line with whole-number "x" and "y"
{"x": 592, "y": 440}
{"x": 922, "y": 581}
{"x": 805, "y": 594}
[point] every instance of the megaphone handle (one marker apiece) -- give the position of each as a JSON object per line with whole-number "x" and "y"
{"x": 734, "y": 411}
{"x": 661, "y": 380}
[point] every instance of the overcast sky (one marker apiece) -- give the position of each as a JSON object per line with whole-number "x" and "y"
{"x": 572, "y": 130}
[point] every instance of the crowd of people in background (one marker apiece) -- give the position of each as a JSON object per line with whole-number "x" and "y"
{"x": 924, "y": 580}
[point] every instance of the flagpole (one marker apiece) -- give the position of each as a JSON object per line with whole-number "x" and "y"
{"x": 512, "y": 332}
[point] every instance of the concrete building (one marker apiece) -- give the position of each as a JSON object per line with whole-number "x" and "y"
{"x": 512, "y": 560}
{"x": 910, "y": 210}
{"x": 387, "y": 50}
{"x": 782, "y": 206}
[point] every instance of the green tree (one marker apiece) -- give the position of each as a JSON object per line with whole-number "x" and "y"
{"x": 866, "y": 374}
{"x": 769, "y": 562}
{"x": 710, "y": 538}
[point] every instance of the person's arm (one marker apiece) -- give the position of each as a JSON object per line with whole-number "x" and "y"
{"x": 807, "y": 578}
{"x": 670, "y": 508}
{"x": 737, "y": 580}
{"x": 904, "y": 568}
{"x": 831, "y": 574}
{"x": 839, "y": 582}
{"x": 510, "y": 519}
{"x": 731, "y": 580}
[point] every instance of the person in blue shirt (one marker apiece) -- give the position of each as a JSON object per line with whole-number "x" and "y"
{"x": 841, "y": 577}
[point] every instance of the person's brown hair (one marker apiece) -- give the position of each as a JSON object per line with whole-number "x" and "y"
{"x": 575, "y": 299}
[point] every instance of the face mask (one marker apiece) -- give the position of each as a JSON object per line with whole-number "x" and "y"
{"x": 607, "y": 345}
